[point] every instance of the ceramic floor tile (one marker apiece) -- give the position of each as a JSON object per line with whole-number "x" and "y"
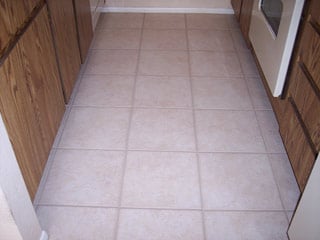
{"x": 117, "y": 39}
{"x": 216, "y": 64}
{"x": 220, "y": 93}
{"x": 246, "y": 225}
{"x": 167, "y": 92}
{"x": 159, "y": 225}
{"x": 77, "y": 223}
{"x": 96, "y": 128}
{"x": 212, "y": 40}
{"x": 161, "y": 180}
{"x": 238, "y": 182}
{"x": 164, "y": 63}
{"x": 258, "y": 94}
{"x": 228, "y": 131}
{"x": 289, "y": 190}
{"x": 120, "y": 20}
{"x": 112, "y": 62}
{"x": 105, "y": 90}
{"x": 164, "y": 39}
{"x": 162, "y": 129}
{"x": 270, "y": 131}
{"x": 248, "y": 64}
{"x": 164, "y": 21}
{"x": 84, "y": 178}
{"x": 207, "y": 21}
{"x": 238, "y": 40}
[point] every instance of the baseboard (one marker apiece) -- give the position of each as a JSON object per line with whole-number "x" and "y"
{"x": 165, "y": 10}
{"x": 44, "y": 236}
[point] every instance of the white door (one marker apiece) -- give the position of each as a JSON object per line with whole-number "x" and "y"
{"x": 305, "y": 224}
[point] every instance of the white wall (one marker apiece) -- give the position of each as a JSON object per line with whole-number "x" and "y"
{"x": 21, "y": 220}
{"x": 215, "y": 4}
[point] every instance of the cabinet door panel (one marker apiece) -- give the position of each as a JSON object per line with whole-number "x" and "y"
{"x": 307, "y": 103}
{"x": 84, "y": 25}
{"x": 299, "y": 151}
{"x": 13, "y": 14}
{"x": 310, "y": 52}
{"x": 66, "y": 42}
{"x": 31, "y": 99}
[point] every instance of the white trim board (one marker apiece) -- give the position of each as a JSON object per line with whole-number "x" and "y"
{"x": 166, "y": 10}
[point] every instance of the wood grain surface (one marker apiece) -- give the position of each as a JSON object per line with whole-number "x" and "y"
{"x": 31, "y": 99}
{"x": 65, "y": 37}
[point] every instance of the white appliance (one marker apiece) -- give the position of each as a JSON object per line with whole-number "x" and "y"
{"x": 273, "y": 30}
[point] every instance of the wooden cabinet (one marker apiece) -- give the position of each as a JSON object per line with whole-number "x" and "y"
{"x": 84, "y": 26}
{"x": 13, "y": 14}
{"x": 65, "y": 37}
{"x": 236, "y": 5}
{"x": 300, "y": 127}
{"x": 31, "y": 100}
{"x": 242, "y": 10}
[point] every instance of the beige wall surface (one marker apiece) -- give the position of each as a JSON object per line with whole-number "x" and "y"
{"x": 225, "y": 4}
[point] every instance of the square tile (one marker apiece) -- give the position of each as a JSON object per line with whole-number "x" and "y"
{"x": 162, "y": 129}
{"x": 84, "y": 178}
{"x": 120, "y": 20}
{"x": 270, "y": 131}
{"x": 78, "y": 223}
{"x": 164, "y": 39}
{"x": 112, "y": 62}
{"x": 248, "y": 64}
{"x": 258, "y": 94}
{"x": 164, "y": 63}
{"x": 238, "y": 182}
{"x": 96, "y": 128}
{"x": 246, "y": 225}
{"x": 216, "y": 64}
{"x": 105, "y": 90}
{"x": 160, "y": 225}
{"x": 164, "y": 21}
{"x": 117, "y": 39}
{"x": 161, "y": 180}
{"x": 207, "y": 21}
{"x": 288, "y": 187}
{"x": 167, "y": 92}
{"x": 212, "y": 40}
{"x": 228, "y": 131}
{"x": 220, "y": 93}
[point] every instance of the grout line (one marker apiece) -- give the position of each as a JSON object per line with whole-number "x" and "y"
{"x": 163, "y": 209}
{"x": 264, "y": 142}
{"x": 195, "y": 137}
{"x": 124, "y": 165}
{"x": 55, "y": 145}
{"x": 160, "y": 151}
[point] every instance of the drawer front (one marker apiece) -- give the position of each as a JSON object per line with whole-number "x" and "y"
{"x": 308, "y": 104}
{"x": 310, "y": 53}
{"x": 299, "y": 151}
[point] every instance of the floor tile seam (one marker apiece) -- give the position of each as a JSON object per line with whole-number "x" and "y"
{"x": 264, "y": 142}
{"x": 195, "y": 137}
{"x": 44, "y": 178}
{"x": 162, "y": 208}
{"x": 99, "y": 106}
{"x": 124, "y": 164}
{"x": 63, "y": 124}
{"x": 278, "y": 187}
{"x": 165, "y": 151}
{"x": 269, "y": 162}
{"x": 160, "y": 50}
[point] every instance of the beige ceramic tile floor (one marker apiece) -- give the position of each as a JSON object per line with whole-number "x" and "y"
{"x": 169, "y": 135}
